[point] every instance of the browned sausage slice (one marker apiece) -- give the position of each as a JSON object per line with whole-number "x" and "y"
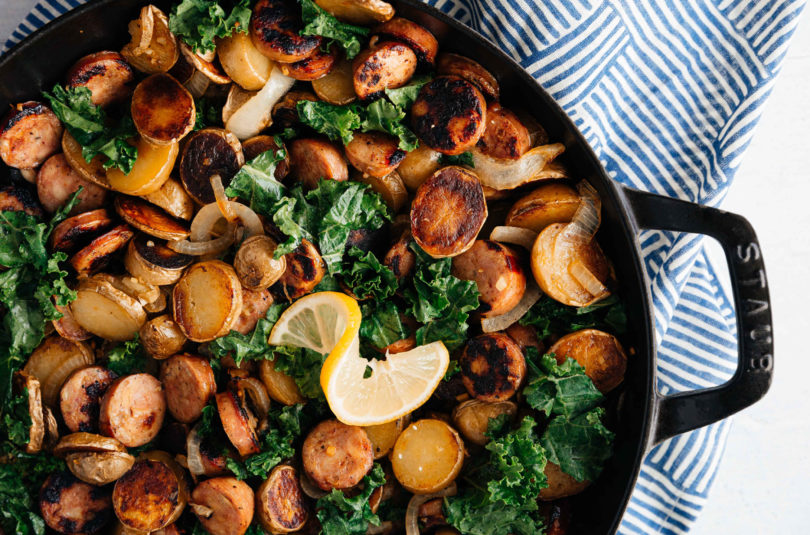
{"x": 98, "y": 253}
{"x": 316, "y": 65}
{"x": 525, "y": 337}
{"x": 497, "y": 272}
{"x": 598, "y": 352}
{"x": 449, "y": 114}
{"x": 313, "y": 159}
{"x": 254, "y": 307}
{"x": 57, "y": 181}
{"x": 80, "y": 397}
{"x": 419, "y": 39}
{"x": 74, "y": 231}
{"x": 17, "y": 197}
{"x": 471, "y": 71}
{"x": 189, "y": 382}
{"x": 29, "y": 133}
{"x": 374, "y": 153}
{"x": 400, "y": 258}
{"x": 275, "y": 30}
{"x": 106, "y": 74}
{"x": 69, "y": 505}
{"x": 305, "y": 270}
{"x": 336, "y": 455}
{"x": 388, "y": 66}
{"x": 492, "y": 367}
{"x": 230, "y": 502}
{"x": 281, "y": 505}
{"x": 132, "y": 410}
{"x": 505, "y": 136}
{"x": 236, "y": 423}
{"x": 146, "y": 497}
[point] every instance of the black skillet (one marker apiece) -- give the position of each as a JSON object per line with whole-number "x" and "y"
{"x": 644, "y": 417}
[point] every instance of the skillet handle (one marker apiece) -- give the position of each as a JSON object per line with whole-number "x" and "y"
{"x": 686, "y": 411}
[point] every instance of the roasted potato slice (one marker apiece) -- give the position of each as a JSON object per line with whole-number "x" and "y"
{"x": 447, "y": 212}
{"x": 550, "y": 203}
{"x": 29, "y": 133}
{"x": 93, "y": 170}
{"x": 106, "y": 74}
{"x": 173, "y": 198}
{"x": 305, "y": 270}
{"x": 384, "y": 436}
{"x": 256, "y": 265}
{"x": 98, "y": 253}
{"x": 161, "y": 337}
{"x": 80, "y": 229}
{"x": 599, "y": 353}
{"x": 150, "y": 219}
{"x": 162, "y": 110}
{"x": 150, "y": 172}
{"x": 315, "y": 66}
{"x": 53, "y": 361}
{"x": 427, "y": 456}
{"x": 280, "y": 386}
{"x": 361, "y": 12}
{"x": 243, "y": 62}
{"x": 418, "y": 165}
{"x": 418, "y": 38}
{"x": 99, "y": 468}
{"x": 492, "y": 367}
{"x": 337, "y": 87}
{"x": 472, "y": 417}
{"x": 207, "y": 300}
{"x": 449, "y": 115}
{"x": 280, "y": 502}
{"x": 387, "y": 66}
{"x": 285, "y": 111}
{"x": 153, "y": 48}
{"x": 275, "y": 29}
{"x": 106, "y": 311}
{"x": 470, "y": 70}
{"x": 68, "y": 327}
{"x": 154, "y": 263}
{"x": 208, "y": 152}
{"x": 146, "y": 497}
{"x": 560, "y": 484}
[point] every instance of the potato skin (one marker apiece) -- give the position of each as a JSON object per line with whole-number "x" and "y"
{"x": 387, "y": 66}
{"x": 600, "y": 353}
{"x": 162, "y": 337}
{"x": 472, "y": 417}
{"x": 275, "y": 27}
{"x": 162, "y": 109}
{"x": 492, "y": 367}
{"x": 560, "y": 484}
{"x": 449, "y": 115}
{"x": 548, "y": 204}
{"x": 150, "y": 219}
{"x": 145, "y": 498}
{"x": 280, "y": 502}
{"x": 336, "y": 455}
{"x": 69, "y": 505}
{"x": 255, "y": 263}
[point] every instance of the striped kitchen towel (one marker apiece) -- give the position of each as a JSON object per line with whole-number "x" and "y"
{"x": 667, "y": 92}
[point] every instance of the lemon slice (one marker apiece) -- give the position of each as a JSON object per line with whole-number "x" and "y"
{"x": 329, "y": 322}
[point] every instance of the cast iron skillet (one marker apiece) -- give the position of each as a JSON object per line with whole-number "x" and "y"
{"x": 643, "y": 417}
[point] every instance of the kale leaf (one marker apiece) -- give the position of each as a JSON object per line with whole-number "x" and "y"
{"x": 304, "y": 366}
{"x": 208, "y": 114}
{"x": 580, "y": 446}
{"x": 472, "y": 513}
{"x": 383, "y": 116}
{"x": 127, "y": 357}
{"x": 341, "y": 515}
{"x": 548, "y": 316}
{"x": 255, "y": 182}
{"x": 382, "y": 324}
{"x": 252, "y": 346}
{"x": 521, "y": 461}
{"x": 92, "y": 129}
{"x": 404, "y": 97}
{"x": 334, "y": 121}
{"x": 559, "y": 388}
{"x": 367, "y": 277}
{"x": 199, "y": 22}
{"x": 465, "y": 158}
{"x": 318, "y": 21}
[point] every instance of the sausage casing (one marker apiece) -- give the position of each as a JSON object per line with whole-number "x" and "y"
{"x": 189, "y": 382}
{"x": 237, "y": 423}
{"x": 106, "y": 74}
{"x": 29, "y": 133}
{"x": 305, "y": 270}
{"x": 69, "y": 505}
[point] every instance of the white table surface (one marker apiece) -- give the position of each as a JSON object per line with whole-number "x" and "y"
{"x": 763, "y": 483}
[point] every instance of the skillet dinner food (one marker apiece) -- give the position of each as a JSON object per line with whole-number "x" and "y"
{"x": 287, "y": 267}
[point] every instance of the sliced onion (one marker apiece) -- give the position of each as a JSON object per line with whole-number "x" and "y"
{"x": 223, "y": 203}
{"x": 588, "y": 280}
{"x": 193, "y": 457}
{"x": 198, "y": 84}
{"x": 588, "y": 216}
{"x": 199, "y": 248}
{"x": 499, "y": 323}
{"x": 251, "y": 221}
{"x": 309, "y": 488}
{"x": 508, "y": 174}
{"x": 257, "y": 392}
{"x": 202, "y": 226}
{"x": 514, "y": 235}
{"x": 412, "y": 512}
{"x": 201, "y": 510}
{"x": 255, "y": 114}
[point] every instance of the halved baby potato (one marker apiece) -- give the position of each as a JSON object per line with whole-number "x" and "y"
{"x": 256, "y": 265}
{"x": 550, "y": 203}
{"x": 360, "y": 12}
{"x": 390, "y": 187}
{"x": 243, "y": 62}
{"x": 153, "y": 48}
{"x": 207, "y": 300}
{"x": 154, "y": 263}
{"x": 448, "y": 211}
{"x": 384, "y": 436}
{"x": 98, "y": 253}
{"x": 208, "y": 152}
{"x": 53, "y": 361}
{"x": 418, "y": 165}
{"x": 427, "y": 456}
{"x": 173, "y": 198}
{"x": 560, "y": 484}
{"x": 472, "y": 417}
{"x": 150, "y": 172}
{"x": 87, "y": 442}
{"x": 99, "y": 468}
{"x": 337, "y": 87}
{"x": 599, "y": 353}
{"x": 150, "y": 219}
{"x": 106, "y": 311}
{"x": 161, "y": 337}
{"x": 162, "y": 109}
{"x": 280, "y": 502}
{"x": 280, "y": 386}
{"x": 93, "y": 170}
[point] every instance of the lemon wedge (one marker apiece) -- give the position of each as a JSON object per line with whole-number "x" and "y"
{"x": 329, "y": 322}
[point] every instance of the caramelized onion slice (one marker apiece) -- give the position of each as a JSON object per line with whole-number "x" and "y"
{"x": 499, "y": 323}
{"x": 412, "y": 512}
{"x": 508, "y": 174}
{"x": 514, "y": 235}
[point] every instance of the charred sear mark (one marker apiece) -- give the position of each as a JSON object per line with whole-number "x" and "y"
{"x": 396, "y": 157}
{"x": 492, "y": 367}
{"x": 55, "y": 485}
{"x": 26, "y": 109}
{"x": 286, "y": 502}
{"x": 449, "y": 114}
{"x": 278, "y": 23}
{"x": 155, "y": 252}
{"x": 84, "y": 75}
{"x": 19, "y": 198}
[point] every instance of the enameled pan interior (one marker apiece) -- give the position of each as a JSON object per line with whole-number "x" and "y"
{"x": 43, "y": 59}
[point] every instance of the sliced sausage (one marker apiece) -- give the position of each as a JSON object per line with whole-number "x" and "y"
{"x": 305, "y": 270}
{"x": 146, "y": 497}
{"x": 275, "y": 30}
{"x": 505, "y": 136}
{"x": 80, "y": 397}
{"x": 189, "y": 383}
{"x": 313, "y": 159}
{"x": 400, "y": 258}
{"x": 316, "y": 65}
{"x": 237, "y": 423}
{"x": 29, "y": 133}
{"x": 106, "y": 74}
{"x": 418, "y": 38}
{"x": 600, "y": 353}
{"x": 17, "y": 197}
{"x": 254, "y": 307}
{"x": 133, "y": 409}
{"x": 230, "y": 502}
{"x": 387, "y": 66}
{"x": 57, "y": 181}
{"x": 525, "y": 337}
{"x": 492, "y": 367}
{"x": 374, "y": 153}
{"x": 151, "y": 219}
{"x": 471, "y": 71}
{"x": 497, "y": 272}
{"x": 75, "y": 231}
{"x": 336, "y": 455}
{"x": 280, "y": 503}
{"x": 98, "y": 253}
{"x": 69, "y": 505}
{"x": 449, "y": 114}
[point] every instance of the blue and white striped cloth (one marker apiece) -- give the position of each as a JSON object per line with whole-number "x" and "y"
{"x": 667, "y": 92}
